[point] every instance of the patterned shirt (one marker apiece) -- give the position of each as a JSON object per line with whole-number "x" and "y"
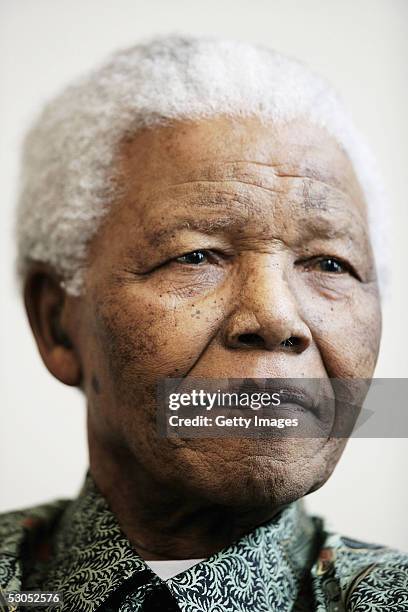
{"x": 289, "y": 563}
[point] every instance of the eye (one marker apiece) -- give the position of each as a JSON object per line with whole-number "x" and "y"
{"x": 193, "y": 258}
{"x": 332, "y": 265}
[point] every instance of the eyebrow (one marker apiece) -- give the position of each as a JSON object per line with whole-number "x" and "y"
{"x": 313, "y": 227}
{"x": 315, "y": 214}
{"x": 349, "y": 225}
{"x": 205, "y": 226}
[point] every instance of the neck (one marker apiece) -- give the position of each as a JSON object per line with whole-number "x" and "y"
{"x": 161, "y": 522}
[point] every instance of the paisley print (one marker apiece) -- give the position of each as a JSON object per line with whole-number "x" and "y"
{"x": 287, "y": 564}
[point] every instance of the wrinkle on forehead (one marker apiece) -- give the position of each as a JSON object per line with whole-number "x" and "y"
{"x": 222, "y": 149}
{"x": 215, "y": 205}
{"x": 311, "y": 193}
{"x": 245, "y": 170}
{"x": 215, "y": 168}
{"x": 293, "y": 148}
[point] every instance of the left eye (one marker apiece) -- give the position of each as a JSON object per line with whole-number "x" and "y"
{"x": 194, "y": 258}
{"x": 332, "y": 265}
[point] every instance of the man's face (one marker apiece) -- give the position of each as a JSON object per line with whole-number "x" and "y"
{"x": 229, "y": 237}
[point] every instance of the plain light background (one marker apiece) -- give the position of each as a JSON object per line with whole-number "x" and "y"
{"x": 361, "y": 46}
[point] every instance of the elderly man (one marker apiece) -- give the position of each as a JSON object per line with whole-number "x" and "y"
{"x": 197, "y": 209}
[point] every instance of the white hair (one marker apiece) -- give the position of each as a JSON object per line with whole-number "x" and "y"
{"x": 69, "y": 154}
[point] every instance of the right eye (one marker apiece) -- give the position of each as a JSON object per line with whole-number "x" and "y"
{"x": 193, "y": 258}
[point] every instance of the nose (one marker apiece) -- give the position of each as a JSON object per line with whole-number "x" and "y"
{"x": 266, "y": 315}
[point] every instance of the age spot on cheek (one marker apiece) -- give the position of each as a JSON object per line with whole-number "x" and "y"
{"x": 96, "y": 386}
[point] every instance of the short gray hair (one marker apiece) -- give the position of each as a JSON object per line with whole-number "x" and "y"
{"x": 69, "y": 154}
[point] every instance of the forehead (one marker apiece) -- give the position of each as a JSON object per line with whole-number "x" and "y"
{"x": 240, "y": 179}
{"x": 225, "y": 149}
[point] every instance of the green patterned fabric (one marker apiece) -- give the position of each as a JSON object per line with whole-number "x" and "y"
{"x": 290, "y": 563}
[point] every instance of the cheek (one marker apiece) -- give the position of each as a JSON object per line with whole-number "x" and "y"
{"x": 347, "y": 331}
{"x": 138, "y": 341}
{"x": 147, "y": 337}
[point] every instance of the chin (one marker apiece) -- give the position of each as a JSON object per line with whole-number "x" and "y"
{"x": 268, "y": 477}
{"x": 269, "y": 488}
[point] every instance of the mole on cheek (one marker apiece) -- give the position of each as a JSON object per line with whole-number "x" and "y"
{"x": 95, "y": 384}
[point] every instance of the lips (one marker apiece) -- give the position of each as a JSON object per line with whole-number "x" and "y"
{"x": 289, "y": 393}
{"x": 296, "y": 395}
{"x": 309, "y": 401}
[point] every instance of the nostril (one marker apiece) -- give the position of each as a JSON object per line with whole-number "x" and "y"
{"x": 251, "y": 340}
{"x": 292, "y": 342}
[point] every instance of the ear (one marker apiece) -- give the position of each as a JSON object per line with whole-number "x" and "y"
{"x": 50, "y": 313}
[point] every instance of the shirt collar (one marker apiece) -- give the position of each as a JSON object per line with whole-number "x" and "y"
{"x": 261, "y": 571}
{"x": 91, "y": 555}
{"x": 264, "y": 570}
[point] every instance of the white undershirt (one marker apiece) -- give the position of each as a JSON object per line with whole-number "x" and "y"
{"x": 167, "y": 569}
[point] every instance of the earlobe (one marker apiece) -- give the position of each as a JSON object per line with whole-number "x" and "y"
{"x": 47, "y": 307}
